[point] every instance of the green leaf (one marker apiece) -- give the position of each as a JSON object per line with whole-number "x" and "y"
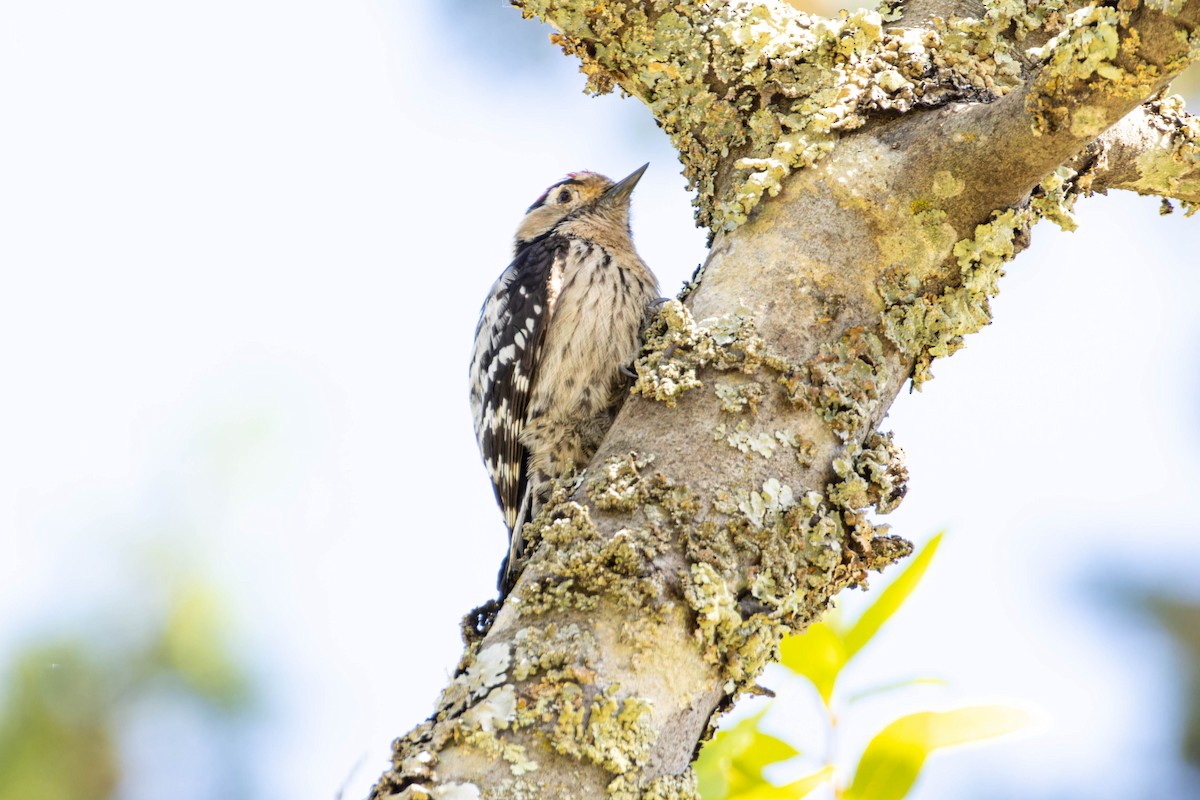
{"x": 732, "y": 763}
{"x": 892, "y": 761}
{"x": 791, "y": 791}
{"x": 817, "y": 654}
{"x": 890, "y": 599}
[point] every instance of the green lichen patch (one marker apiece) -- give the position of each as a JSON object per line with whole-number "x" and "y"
{"x": 1089, "y": 46}
{"x": 542, "y": 682}
{"x": 552, "y": 649}
{"x": 495, "y": 747}
{"x": 805, "y": 449}
{"x": 711, "y": 543}
{"x": 619, "y": 733}
{"x": 624, "y": 483}
{"x": 739, "y": 397}
{"x": 778, "y": 558}
{"x": 843, "y": 383}
{"x": 576, "y": 566}
{"x": 946, "y": 184}
{"x": 518, "y": 789}
{"x": 621, "y": 485}
{"x": 677, "y": 347}
{"x": 741, "y": 647}
{"x": 927, "y": 325}
{"x": 597, "y": 725}
{"x": 871, "y": 475}
{"x": 1095, "y": 49}
{"x": 1020, "y": 17}
{"x": 668, "y": 787}
{"x": 555, "y": 693}
{"x": 660, "y": 374}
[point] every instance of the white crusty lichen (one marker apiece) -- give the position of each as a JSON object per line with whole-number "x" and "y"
{"x": 743, "y": 440}
{"x": 495, "y": 711}
{"x": 488, "y": 670}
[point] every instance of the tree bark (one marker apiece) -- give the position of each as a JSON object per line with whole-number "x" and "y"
{"x": 865, "y": 182}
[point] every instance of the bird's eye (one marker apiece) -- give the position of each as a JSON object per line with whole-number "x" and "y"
{"x": 564, "y": 196}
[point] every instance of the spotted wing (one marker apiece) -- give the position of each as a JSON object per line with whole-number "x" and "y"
{"x": 508, "y": 342}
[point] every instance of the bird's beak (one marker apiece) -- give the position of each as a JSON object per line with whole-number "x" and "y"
{"x": 618, "y": 193}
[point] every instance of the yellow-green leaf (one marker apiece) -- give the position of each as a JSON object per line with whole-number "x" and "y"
{"x": 791, "y": 791}
{"x": 890, "y": 599}
{"x": 732, "y": 763}
{"x": 892, "y": 761}
{"x": 817, "y": 654}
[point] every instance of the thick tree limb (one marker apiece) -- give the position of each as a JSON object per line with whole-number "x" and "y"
{"x": 1094, "y": 73}
{"x": 865, "y": 186}
{"x": 1154, "y": 150}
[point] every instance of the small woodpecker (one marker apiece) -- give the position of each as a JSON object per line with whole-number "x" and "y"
{"x": 556, "y": 330}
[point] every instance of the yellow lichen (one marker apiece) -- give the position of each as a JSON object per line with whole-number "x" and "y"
{"x": 928, "y": 325}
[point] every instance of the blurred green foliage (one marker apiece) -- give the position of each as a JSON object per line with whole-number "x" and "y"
{"x": 65, "y": 700}
{"x": 1181, "y": 620}
{"x": 731, "y": 766}
{"x": 56, "y": 737}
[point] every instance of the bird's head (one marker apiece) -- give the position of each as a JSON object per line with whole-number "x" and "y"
{"x": 578, "y": 193}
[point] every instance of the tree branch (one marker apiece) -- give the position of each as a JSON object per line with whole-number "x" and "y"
{"x": 1154, "y": 150}
{"x": 1095, "y": 72}
{"x": 865, "y": 187}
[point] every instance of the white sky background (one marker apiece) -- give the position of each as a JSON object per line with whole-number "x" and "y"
{"x": 242, "y": 251}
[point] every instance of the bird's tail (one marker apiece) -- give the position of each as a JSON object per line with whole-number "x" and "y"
{"x": 510, "y": 570}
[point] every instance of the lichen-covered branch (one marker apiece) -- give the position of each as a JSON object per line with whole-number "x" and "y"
{"x": 1154, "y": 150}
{"x": 751, "y": 92}
{"x": 866, "y": 181}
{"x": 1101, "y": 65}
